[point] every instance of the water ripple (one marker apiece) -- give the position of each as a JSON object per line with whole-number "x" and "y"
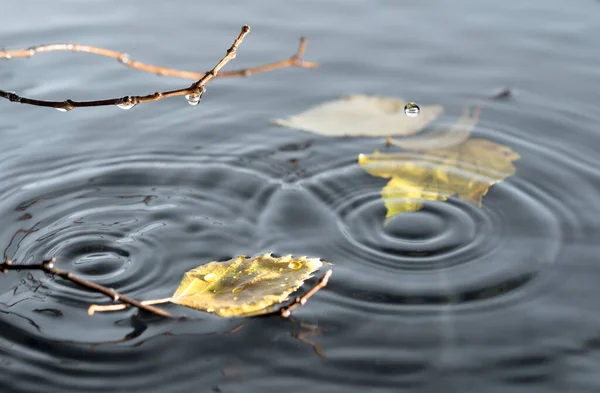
{"x": 133, "y": 224}
{"x": 454, "y": 252}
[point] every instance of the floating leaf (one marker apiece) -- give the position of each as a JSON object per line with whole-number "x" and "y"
{"x": 447, "y": 137}
{"x": 466, "y": 171}
{"x": 244, "y": 286}
{"x": 361, "y": 115}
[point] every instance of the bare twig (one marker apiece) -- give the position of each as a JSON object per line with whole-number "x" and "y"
{"x": 94, "y": 308}
{"x": 193, "y": 93}
{"x": 49, "y": 267}
{"x": 123, "y": 58}
{"x": 286, "y": 311}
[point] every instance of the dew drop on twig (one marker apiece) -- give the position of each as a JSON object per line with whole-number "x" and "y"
{"x": 193, "y": 99}
{"x": 126, "y": 105}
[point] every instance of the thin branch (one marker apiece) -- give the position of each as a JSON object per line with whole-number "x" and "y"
{"x": 286, "y": 311}
{"x": 94, "y": 308}
{"x": 49, "y": 267}
{"x": 123, "y": 58}
{"x": 193, "y": 93}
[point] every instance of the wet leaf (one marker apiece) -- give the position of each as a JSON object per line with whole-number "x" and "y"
{"x": 244, "y": 286}
{"x": 446, "y": 137}
{"x": 465, "y": 171}
{"x": 361, "y": 115}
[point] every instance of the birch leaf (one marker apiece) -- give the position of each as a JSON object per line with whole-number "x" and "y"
{"x": 447, "y": 137}
{"x": 244, "y": 286}
{"x": 361, "y": 115}
{"x": 465, "y": 171}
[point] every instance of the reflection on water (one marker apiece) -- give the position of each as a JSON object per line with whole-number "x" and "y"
{"x": 448, "y": 297}
{"x": 466, "y": 171}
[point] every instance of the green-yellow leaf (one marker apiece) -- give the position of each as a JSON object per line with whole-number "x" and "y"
{"x": 361, "y": 115}
{"x": 466, "y": 171}
{"x": 244, "y": 286}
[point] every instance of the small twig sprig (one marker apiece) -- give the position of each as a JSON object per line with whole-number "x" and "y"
{"x": 193, "y": 93}
{"x": 295, "y": 60}
{"x": 50, "y": 268}
{"x": 286, "y": 311}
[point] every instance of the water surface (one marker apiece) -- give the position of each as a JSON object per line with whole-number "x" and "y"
{"x": 452, "y": 297}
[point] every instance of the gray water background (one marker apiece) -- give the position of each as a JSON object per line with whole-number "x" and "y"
{"x": 502, "y": 299}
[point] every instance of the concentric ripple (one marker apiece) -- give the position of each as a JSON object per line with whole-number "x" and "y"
{"x": 134, "y": 224}
{"x": 454, "y": 251}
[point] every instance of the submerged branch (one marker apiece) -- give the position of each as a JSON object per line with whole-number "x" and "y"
{"x": 193, "y": 93}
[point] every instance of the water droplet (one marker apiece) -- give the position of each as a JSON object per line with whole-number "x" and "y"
{"x": 411, "y": 109}
{"x": 126, "y": 105}
{"x": 210, "y": 277}
{"x": 193, "y": 99}
{"x": 295, "y": 265}
{"x": 67, "y": 106}
{"x": 237, "y": 289}
{"x": 13, "y": 97}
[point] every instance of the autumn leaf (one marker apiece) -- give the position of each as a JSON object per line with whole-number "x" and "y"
{"x": 244, "y": 286}
{"x": 446, "y": 137}
{"x": 361, "y": 115}
{"x": 465, "y": 171}
{"x": 241, "y": 286}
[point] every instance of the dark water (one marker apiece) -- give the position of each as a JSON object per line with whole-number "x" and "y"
{"x": 498, "y": 299}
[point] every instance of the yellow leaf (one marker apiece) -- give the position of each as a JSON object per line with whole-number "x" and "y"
{"x": 361, "y": 115}
{"x": 466, "y": 171}
{"x": 244, "y": 286}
